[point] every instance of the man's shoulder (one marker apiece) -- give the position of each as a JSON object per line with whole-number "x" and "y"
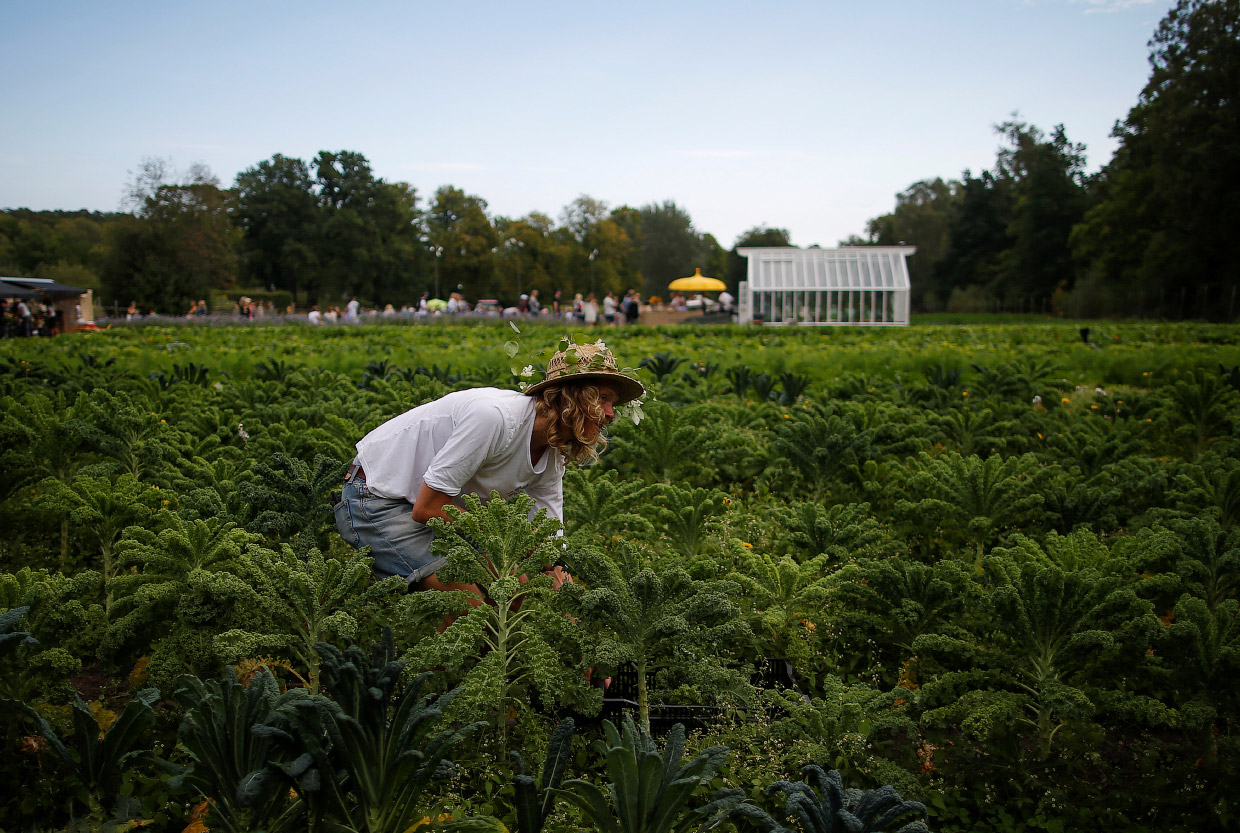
{"x": 500, "y": 399}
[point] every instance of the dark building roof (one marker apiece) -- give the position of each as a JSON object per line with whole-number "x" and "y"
{"x": 12, "y": 290}
{"x": 42, "y": 286}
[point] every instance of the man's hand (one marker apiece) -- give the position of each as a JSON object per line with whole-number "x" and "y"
{"x": 558, "y": 576}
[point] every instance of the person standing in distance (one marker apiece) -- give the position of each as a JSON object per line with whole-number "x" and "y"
{"x": 475, "y": 442}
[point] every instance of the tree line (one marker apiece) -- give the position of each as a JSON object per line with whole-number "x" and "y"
{"x": 1144, "y": 236}
{"x": 330, "y": 229}
{"x": 1147, "y": 235}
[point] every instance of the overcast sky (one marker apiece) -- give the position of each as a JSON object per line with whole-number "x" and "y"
{"x": 807, "y": 116}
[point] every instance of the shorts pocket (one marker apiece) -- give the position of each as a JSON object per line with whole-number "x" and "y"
{"x": 344, "y": 523}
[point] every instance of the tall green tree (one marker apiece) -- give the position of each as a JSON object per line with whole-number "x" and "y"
{"x": 672, "y": 248}
{"x": 463, "y": 242}
{"x": 1155, "y": 241}
{"x": 369, "y": 238}
{"x": 279, "y": 217}
{"x": 67, "y": 246}
{"x": 976, "y": 236}
{"x": 738, "y": 265}
{"x": 922, "y": 217}
{"x": 1046, "y": 180}
{"x": 182, "y": 245}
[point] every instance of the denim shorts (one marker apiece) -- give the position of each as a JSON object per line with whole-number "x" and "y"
{"x": 399, "y": 545}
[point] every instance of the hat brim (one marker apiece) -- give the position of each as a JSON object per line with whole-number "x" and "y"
{"x": 628, "y": 387}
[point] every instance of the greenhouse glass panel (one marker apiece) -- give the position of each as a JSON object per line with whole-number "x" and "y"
{"x": 861, "y": 285}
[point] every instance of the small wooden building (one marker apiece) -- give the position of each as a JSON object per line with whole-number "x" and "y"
{"x": 74, "y": 305}
{"x": 851, "y": 285}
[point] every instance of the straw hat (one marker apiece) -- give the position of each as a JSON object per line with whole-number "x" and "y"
{"x": 588, "y": 363}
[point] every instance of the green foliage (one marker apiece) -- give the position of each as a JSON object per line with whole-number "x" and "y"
{"x": 1209, "y": 560}
{"x": 217, "y": 735}
{"x": 687, "y": 516}
{"x": 662, "y": 364}
{"x": 970, "y": 501}
{"x": 11, "y": 640}
{"x": 973, "y": 431}
{"x": 793, "y": 385}
{"x": 730, "y": 448}
{"x": 66, "y": 619}
{"x": 1176, "y": 144}
{"x": 289, "y": 498}
{"x": 1103, "y": 618}
{"x": 857, "y": 729}
{"x": 740, "y": 378}
{"x": 887, "y": 605}
{"x": 295, "y": 601}
{"x": 1030, "y": 666}
{"x": 97, "y": 759}
{"x": 1198, "y": 413}
{"x": 656, "y": 620}
{"x": 183, "y": 245}
{"x": 37, "y": 440}
{"x": 1212, "y": 486}
{"x": 500, "y": 645}
{"x": 1206, "y": 648}
{"x": 821, "y": 804}
{"x": 11, "y": 643}
{"x": 784, "y": 601}
{"x": 100, "y": 509}
{"x": 177, "y": 580}
{"x": 649, "y": 789}
{"x": 366, "y": 758}
{"x": 763, "y": 386}
{"x": 1091, "y": 445}
{"x": 842, "y": 530}
{"x": 534, "y": 800}
{"x": 655, "y": 449}
{"x": 828, "y": 447}
{"x": 598, "y": 502}
{"x": 130, "y": 438}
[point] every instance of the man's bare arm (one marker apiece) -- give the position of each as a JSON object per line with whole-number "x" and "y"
{"x": 430, "y": 504}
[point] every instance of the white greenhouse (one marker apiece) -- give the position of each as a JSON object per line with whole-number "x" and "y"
{"x": 854, "y": 285}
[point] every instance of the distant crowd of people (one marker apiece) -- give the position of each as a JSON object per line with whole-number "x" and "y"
{"x": 583, "y": 309}
{"x": 20, "y": 318}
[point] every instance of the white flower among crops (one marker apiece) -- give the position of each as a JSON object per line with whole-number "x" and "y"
{"x": 527, "y": 371}
{"x": 631, "y": 411}
{"x": 1037, "y": 400}
{"x": 602, "y": 345}
{"x": 1100, "y": 391}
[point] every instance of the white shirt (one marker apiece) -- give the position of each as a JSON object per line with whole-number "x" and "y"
{"x": 352, "y": 307}
{"x": 468, "y": 442}
{"x": 313, "y": 316}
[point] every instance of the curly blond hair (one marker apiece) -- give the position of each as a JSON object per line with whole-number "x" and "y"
{"x": 574, "y": 412}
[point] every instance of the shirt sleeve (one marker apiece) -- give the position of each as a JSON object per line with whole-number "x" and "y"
{"x": 475, "y": 436}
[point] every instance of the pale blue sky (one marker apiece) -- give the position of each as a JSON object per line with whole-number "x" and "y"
{"x": 808, "y": 116}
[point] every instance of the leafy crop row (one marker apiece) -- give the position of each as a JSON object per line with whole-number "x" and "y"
{"x": 1000, "y": 563}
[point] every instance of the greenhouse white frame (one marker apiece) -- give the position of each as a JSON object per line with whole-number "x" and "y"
{"x": 848, "y": 286}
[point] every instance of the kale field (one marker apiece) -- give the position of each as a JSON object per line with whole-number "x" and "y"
{"x": 993, "y": 566}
